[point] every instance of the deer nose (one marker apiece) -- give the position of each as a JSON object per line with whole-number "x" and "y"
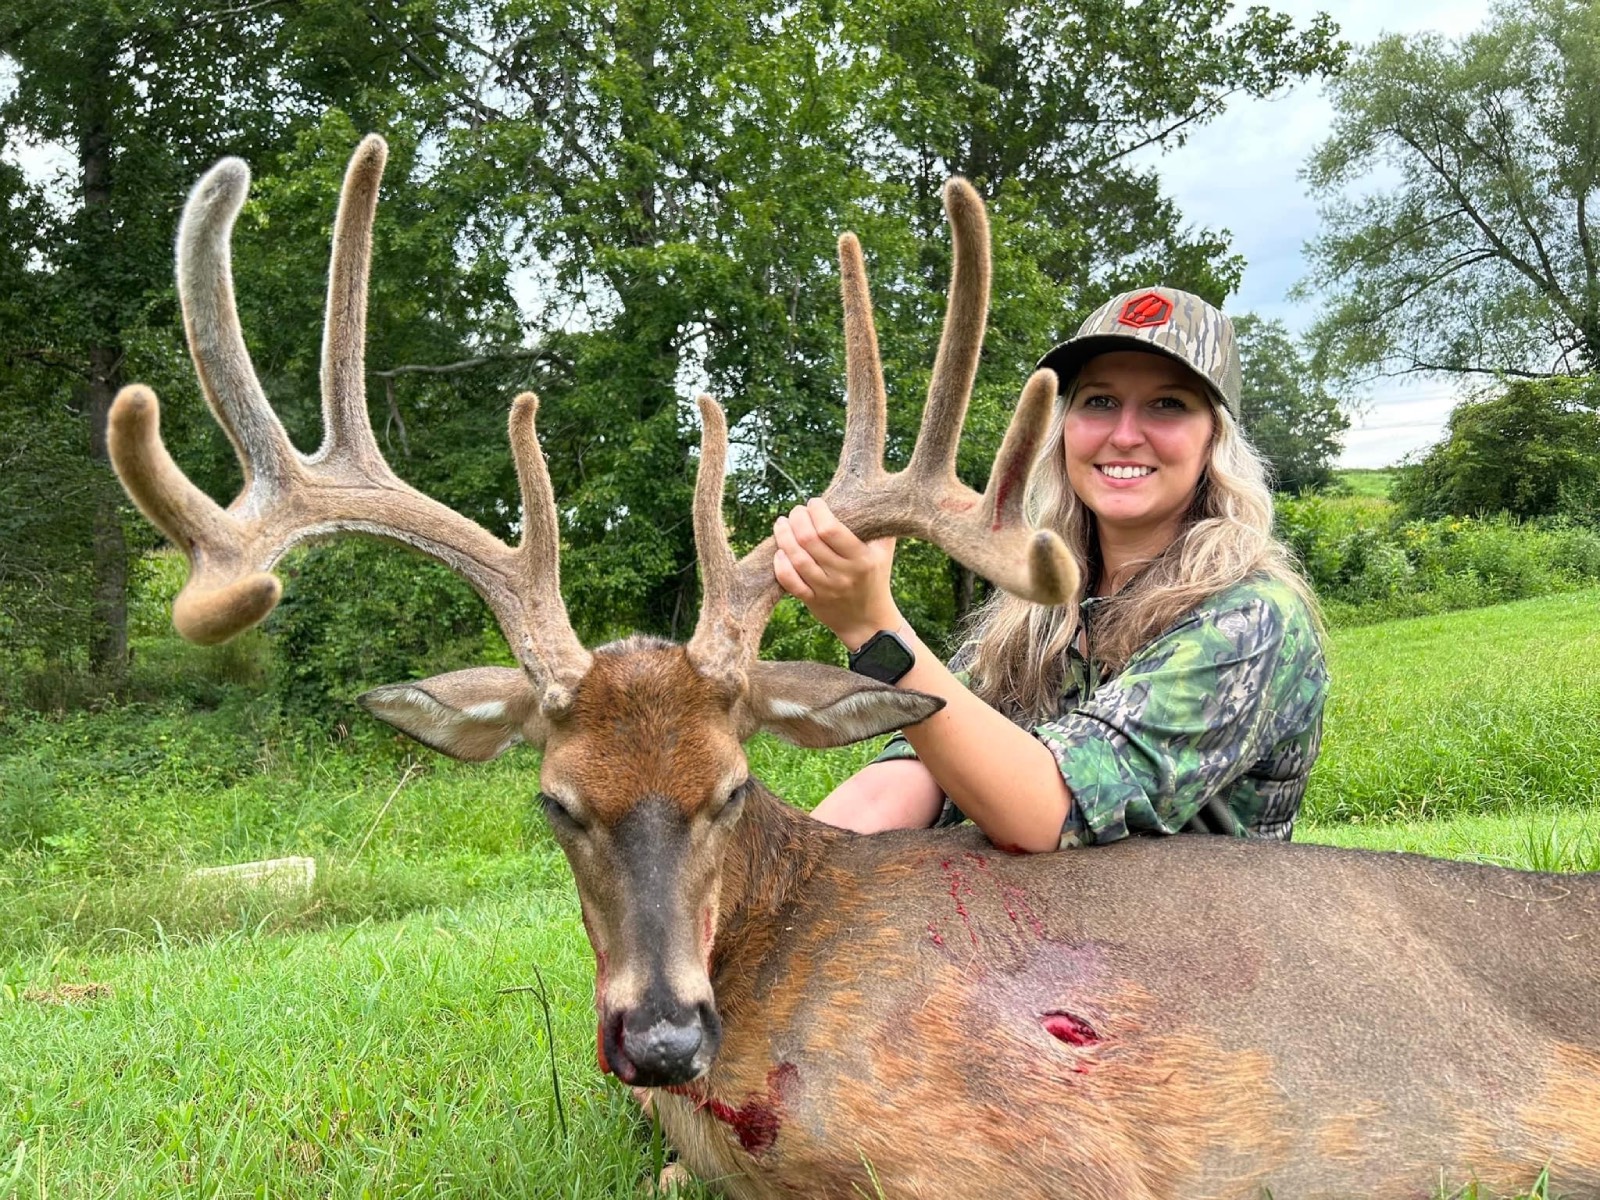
{"x": 665, "y": 1049}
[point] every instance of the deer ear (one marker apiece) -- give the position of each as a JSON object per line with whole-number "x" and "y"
{"x": 818, "y": 706}
{"x": 475, "y": 714}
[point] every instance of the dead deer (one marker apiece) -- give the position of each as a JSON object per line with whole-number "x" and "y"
{"x": 913, "y": 1014}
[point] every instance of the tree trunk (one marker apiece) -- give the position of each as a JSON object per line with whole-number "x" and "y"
{"x": 964, "y": 587}
{"x": 108, "y": 646}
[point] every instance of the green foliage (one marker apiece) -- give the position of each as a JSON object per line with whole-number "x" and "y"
{"x": 1286, "y": 412}
{"x": 1455, "y": 190}
{"x": 356, "y": 615}
{"x": 45, "y": 528}
{"x": 87, "y": 257}
{"x": 670, "y": 177}
{"x": 1368, "y": 564}
{"x": 1531, "y": 451}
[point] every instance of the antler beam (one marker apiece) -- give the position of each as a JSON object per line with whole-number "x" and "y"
{"x": 987, "y": 532}
{"x": 346, "y": 485}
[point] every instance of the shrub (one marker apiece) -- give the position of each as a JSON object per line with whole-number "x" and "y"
{"x": 1530, "y": 451}
{"x": 357, "y": 614}
{"x": 1368, "y": 564}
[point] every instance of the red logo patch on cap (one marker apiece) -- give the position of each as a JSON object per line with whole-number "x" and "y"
{"x": 1141, "y": 312}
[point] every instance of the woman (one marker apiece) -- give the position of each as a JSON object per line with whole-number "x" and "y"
{"x": 1185, "y": 690}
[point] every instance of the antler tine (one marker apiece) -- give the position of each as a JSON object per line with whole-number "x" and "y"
{"x": 204, "y": 612}
{"x": 866, "y": 401}
{"x": 346, "y": 427}
{"x": 967, "y": 309}
{"x": 211, "y": 326}
{"x": 736, "y": 598}
{"x": 986, "y": 533}
{"x": 548, "y": 638}
{"x": 1050, "y": 570}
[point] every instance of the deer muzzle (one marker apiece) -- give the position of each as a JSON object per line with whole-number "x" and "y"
{"x": 647, "y": 1047}
{"x": 658, "y": 1019}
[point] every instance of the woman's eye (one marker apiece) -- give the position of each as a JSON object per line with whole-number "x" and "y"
{"x": 1099, "y": 402}
{"x": 1172, "y": 404}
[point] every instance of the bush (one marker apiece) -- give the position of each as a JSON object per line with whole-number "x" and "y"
{"x": 1531, "y": 451}
{"x": 1366, "y": 563}
{"x": 357, "y": 614}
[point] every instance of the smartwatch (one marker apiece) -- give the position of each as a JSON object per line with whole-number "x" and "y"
{"x": 884, "y": 656}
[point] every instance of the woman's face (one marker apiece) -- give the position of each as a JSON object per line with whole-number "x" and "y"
{"x": 1137, "y": 436}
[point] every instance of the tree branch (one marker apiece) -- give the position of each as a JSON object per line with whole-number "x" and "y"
{"x": 465, "y": 364}
{"x": 1545, "y": 287}
{"x": 47, "y": 359}
{"x": 1419, "y": 366}
{"x": 1205, "y": 110}
{"x": 221, "y": 14}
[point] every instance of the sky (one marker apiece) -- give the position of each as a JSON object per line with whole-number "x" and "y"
{"x": 1242, "y": 173}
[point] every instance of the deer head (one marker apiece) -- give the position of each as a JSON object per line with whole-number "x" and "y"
{"x": 643, "y": 776}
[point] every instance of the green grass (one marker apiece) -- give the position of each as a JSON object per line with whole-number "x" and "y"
{"x": 1490, "y": 710}
{"x": 376, "y": 1060}
{"x": 160, "y": 1039}
{"x": 1367, "y": 482}
{"x": 1551, "y": 839}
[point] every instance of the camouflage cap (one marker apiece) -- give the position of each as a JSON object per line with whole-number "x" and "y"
{"x": 1166, "y": 321}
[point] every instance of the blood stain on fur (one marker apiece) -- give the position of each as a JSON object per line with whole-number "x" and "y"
{"x": 757, "y": 1122}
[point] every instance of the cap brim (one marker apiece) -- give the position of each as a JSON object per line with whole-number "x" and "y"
{"x": 1067, "y": 359}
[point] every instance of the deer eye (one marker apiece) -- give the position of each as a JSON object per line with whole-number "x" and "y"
{"x": 559, "y": 815}
{"x": 731, "y": 807}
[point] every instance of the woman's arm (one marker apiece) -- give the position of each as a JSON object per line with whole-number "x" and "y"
{"x": 1005, "y": 780}
{"x": 899, "y": 794}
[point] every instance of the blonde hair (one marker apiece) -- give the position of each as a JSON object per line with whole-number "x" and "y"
{"x": 1016, "y": 650}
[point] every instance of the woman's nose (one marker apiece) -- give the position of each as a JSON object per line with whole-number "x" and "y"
{"x": 1128, "y": 431}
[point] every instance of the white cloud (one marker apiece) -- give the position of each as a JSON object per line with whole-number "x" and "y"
{"x": 1242, "y": 173}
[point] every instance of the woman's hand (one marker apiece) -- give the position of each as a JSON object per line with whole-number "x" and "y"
{"x": 843, "y": 581}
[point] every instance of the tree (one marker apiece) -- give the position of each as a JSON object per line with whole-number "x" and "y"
{"x": 1481, "y": 256}
{"x": 1533, "y": 450}
{"x": 1287, "y": 413}
{"x": 672, "y": 176}
{"x": 144, "y": 96}
{"x": 681, "y": 171}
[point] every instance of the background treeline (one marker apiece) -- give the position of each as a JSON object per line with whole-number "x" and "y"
{"x": 618, "y": 204}
{"x": 613, "y": 203}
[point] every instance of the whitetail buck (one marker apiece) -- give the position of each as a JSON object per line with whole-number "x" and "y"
{"x": 914, "y": 1014}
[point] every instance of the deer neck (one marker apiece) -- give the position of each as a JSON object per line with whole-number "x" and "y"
{"x": 772, "y": 854}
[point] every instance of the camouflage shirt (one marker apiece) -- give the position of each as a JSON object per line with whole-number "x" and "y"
{"x": 1212, "y": 726}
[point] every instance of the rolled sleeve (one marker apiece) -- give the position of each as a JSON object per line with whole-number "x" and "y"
{"x": 1187, "y": 716}
{"x": 895, "y": 748}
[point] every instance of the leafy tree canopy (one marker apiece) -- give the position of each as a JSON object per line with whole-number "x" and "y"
{"x": 1457, "y": 190}
{"x": 1290, "y": 417}
{"x": 670, "y": 177}
{"x": 1532, "y": 450}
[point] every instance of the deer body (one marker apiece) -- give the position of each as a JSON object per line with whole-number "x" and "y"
{"x": 1193, "y": 1018}
{"x": 919, "y": 1015}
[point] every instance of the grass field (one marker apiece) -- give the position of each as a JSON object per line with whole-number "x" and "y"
{"x": 1366, "y": 481}
{"x": 387, "y": 1037}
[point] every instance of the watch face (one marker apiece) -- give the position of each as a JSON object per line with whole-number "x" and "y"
{"x": 884, "y": 658}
